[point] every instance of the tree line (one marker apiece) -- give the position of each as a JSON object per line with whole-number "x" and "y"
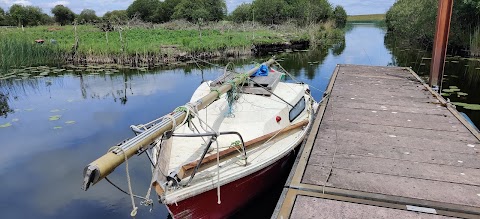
{"x": 415, "y": 20}
{"x": 278, "y": 11}
{"x": 19, "y": 15}
{"x": 156, "y": 11}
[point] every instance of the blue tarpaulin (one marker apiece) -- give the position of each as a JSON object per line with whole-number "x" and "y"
{"x": 262, "y": 71}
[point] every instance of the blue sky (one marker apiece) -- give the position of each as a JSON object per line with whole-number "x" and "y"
{"x": 352, "y": 7}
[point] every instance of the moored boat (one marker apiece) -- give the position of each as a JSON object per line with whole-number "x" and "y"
{"x": 224, "y": 147}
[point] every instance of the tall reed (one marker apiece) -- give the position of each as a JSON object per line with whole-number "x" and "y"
{"x": 17, "y": 52}
{"x": 475, "y": 42}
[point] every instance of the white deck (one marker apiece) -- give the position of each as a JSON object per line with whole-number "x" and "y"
{"x": 254, "y": 116}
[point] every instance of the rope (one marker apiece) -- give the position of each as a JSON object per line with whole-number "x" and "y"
{"x": 134, "y": 208}
{"x": 218, "y": 92}
{"x": 232, "y": 95}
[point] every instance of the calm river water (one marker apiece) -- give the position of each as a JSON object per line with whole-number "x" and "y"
{"x": 59, "y": 124}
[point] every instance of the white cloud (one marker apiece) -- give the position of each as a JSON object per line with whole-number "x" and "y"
{"x": 53, "y": 4}
{"x": 22, "y": 2}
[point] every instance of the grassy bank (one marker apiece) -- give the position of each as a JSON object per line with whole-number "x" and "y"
{"x": 149, "y": 44}
{"x": 366, "y": 18}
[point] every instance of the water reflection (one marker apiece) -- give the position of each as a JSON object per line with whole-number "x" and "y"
{"x": 4, "y": 107}
{"x": 462, "y": 74}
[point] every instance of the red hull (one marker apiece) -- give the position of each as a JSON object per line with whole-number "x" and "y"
{"x": 233, "y": 195}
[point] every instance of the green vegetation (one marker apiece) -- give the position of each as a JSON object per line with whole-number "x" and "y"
{"x": 63, "y": 15}
{"x": 302, "y": 12}
{"x": 18, "y": 51}
{"x": 339, "y": 16}
{"x": 199, "y": 26}
{"x": 140, "y": 40}
{"x": 242, "y": 13}
{"x": 166, "y": 40}
{"x": 24, "y": 16}
{"x": 116, "y": 16}
{"x": 415, "y": 20}
{"x": 366, "y": 18}
{"x": 87, "y": 16}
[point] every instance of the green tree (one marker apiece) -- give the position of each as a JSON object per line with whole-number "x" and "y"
{"x": 242, "y": 13}
{"x": 144, "y": 9}
{"x": 45, "y": 19}
{"x": 269, "y": 11}
{"x": 26, "y": 15}
{"x": 63, "y": 15}
{"x": 166, "y": 9}
{"x": 2, "y": 17}
{"x": 117, "y": 16}
{"x": 414, "y": 21}
{"x": 87, "y": 16}
{"x": 185, "y": 10}
{"x": 216, "y": 8}
{"x": 18, "y": 14}
{"x": 308, "y": 11}
{"x": 340, "y": 16}
{"x": 207, "y": 10}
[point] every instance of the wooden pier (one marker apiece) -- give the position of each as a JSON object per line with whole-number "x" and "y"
{"x": 384, "y": 145}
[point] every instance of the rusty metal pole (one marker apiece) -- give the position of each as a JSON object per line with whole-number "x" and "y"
{"x": 440, "y": 42}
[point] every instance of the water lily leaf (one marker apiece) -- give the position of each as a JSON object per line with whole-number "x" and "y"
{"x": 6, "y": 125}
{"x": 15, "y": 120}
{"x": 453, "y": 87}
{"x": 57, "y": 127}
{"x": 462, "y": 94}
{"x": 447, "y": 91}
{"x": 29, "y": 109}
{"x": 446, "y": 94}
{"x": 54, "y": 110}
{"x": 54, "y": 118}
{"x": 472, "y": 106}
{"x": 468, "y": 106}
{"x": 70, "y": 122}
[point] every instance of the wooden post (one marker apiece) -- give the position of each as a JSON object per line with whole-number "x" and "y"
{"x": 440, "y": 42}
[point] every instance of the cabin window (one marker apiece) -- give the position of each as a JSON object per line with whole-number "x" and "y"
{"x": 297, "y": 109}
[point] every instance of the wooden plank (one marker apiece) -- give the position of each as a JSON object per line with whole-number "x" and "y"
{"x": 386, "y": 139}
{"x": 187, "y": 169}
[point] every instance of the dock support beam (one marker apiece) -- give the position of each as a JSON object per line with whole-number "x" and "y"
{"x": 440, "y": 42}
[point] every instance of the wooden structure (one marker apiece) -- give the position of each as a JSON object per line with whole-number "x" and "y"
{"x": 384, "y": 145}
{"x": 442, "y": 30}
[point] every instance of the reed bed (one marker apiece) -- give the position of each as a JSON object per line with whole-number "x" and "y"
{"x": 16, "y": 52}
{"x": 152, "y": 45}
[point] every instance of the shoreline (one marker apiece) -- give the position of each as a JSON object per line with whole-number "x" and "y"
{"x": 152, "y": 60}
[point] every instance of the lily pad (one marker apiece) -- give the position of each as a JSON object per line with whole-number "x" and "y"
{"x": 467, "y": 105}
{"x": 447, "y": 91}
{"x": 446, "y": 94}
{"x": 70, "y": 122}
{"x": 54, "y": 110}
{"x": 453, "y": 87}
{"x": 54, "y": 118}
{"x": 57, "y": 127}
{"x": 29, "y": 109}
{"x": 462, "y": 94}
{"x": 15, "y": 120}
{"x": 6, "y": 125}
